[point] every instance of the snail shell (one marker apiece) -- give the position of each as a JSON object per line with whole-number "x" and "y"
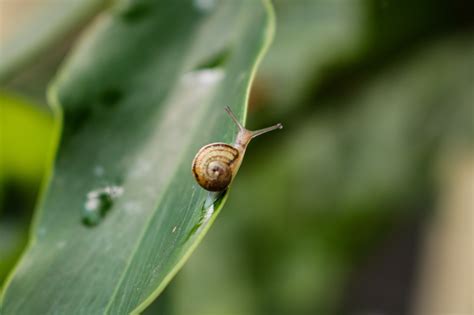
{"x": 214, "y": 165}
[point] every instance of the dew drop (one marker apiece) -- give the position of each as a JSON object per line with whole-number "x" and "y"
{"x": 98, "y": 203}
{"x": 209, "y": 206}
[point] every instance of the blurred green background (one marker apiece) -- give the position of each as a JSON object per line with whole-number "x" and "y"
{"x": 336, "y": 214}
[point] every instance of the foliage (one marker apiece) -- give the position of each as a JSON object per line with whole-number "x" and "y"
{"x": 372, "y": 95}
{"x": 132, "y": 122}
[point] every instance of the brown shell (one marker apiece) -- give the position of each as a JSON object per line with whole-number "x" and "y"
{"x": 214, "y": 165}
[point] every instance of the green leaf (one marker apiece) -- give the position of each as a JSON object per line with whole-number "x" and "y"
{"x": 137, "y": 106}
{"x": 42, "y": 24}
{"x": 25, "y": 132}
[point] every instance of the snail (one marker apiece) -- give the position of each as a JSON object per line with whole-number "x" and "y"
{"x": 216, "y": 164}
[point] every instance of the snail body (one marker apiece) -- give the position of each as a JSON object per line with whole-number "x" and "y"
{"x": 216, "y": 164}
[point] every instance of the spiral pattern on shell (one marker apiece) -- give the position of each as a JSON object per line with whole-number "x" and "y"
{"x": 213, "y": 166}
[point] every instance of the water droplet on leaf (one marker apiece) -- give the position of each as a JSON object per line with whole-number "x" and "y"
{"x": 211, "y": 203}
{"x": 98, "y": 203}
